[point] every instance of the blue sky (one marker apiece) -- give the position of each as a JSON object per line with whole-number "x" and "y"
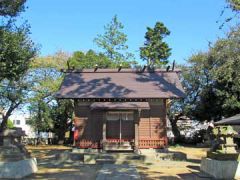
{"x": 71, "y": 25}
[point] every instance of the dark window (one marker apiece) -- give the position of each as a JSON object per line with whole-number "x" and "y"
{"x": 17, "y": 122}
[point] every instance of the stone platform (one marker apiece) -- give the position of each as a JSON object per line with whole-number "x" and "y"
{"x": 18, "y": 169}
{"x": 221, "y": 169}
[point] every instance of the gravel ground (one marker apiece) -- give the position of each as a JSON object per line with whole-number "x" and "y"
{"x": 48, "y": 169}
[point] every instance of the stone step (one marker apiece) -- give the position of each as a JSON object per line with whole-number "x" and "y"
{"x": 105, "y": 161}
{"x": 118, "y": 148}
{"x": 119, "y": 143}
{"x": 110, "y": 158}
{"x": 9, "y": 158}
{"x": 12, "y": 155}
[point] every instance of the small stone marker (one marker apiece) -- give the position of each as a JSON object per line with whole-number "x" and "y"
{"x": 15, "y": 160}
{"x": 222, "y": 162}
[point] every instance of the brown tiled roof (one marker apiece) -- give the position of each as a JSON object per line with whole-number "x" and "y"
{"x": 124, "y": 84}
{"x": 119, "y": 105}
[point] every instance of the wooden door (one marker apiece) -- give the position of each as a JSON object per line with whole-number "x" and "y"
{"x": 120, "y": 125}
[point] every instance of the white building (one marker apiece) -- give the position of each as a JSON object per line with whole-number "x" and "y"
{"x": 19, "y": 120}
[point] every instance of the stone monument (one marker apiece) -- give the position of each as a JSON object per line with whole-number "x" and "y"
{"x": 222, "y": 161}
{"x": 15, "y": 160}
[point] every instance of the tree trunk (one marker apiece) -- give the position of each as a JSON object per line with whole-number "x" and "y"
{"x": 7, "y": 115}
{"x": 175, "y": 129}
{"x": 4, "y": 122}
{"x": 3, "y": 127}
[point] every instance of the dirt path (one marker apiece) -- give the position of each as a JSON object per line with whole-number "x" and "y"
{"x": 49, "y": 169}
{"x": 188, "y": 170}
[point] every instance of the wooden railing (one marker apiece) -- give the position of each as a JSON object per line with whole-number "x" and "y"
{"x": 152, "y": 143}
{"x": 142, "y": 143}
{"x": 118, "y": 140}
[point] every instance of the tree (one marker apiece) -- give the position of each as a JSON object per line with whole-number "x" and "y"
{"x": 17, "y": 50}
{"x": 41, "y": 100}
{"x": 113, "y": 42}
{"x": 62, "y": 117}
{"x": 16, "y": 47}
{"x": 12, "y": 95}
{"x": 155, "y": 50}
{"x": 46, "y": 112}
{"x": 234, "y": 5}
{"x": 89, "y": 59}
{"x": 55, "y": 62}
{"x": 227, "y": 76}
{"x": 211, "y": 81}
{"x": 41, "y": 119}
{"x": 11, "y": 8}
{"x": 10, "y": 124}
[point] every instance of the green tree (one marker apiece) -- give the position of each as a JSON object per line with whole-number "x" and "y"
{"x": 62, "y": 116}
{"x": 234, "y": 5}
{"x": 155, "y": 50}
{"x": 41, "y": 119}
{"x": 55, "y": 62}
{"x": 17, "y": 51}
{"x": 48, "y": 113}
{"x": 10, "y": 124}
{"x": 89, "y": 59}
{"x": 41, "y": 100}
{"x": 113, "y": 42}
{"x": 211, "y": 81}
{"x": 226, "y": 52}
{"x": 11, "y": 8}
{"x": 13, "y": 94}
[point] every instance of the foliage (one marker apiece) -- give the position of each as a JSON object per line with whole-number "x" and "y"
{"x": 227, "y": 74}
{"x": 40, "y": 119}
{"x": 48, "y": 113}
{"x": 155, "y": 50}
{"x": 113, "y": 42}
{"x": 212, "y": 81}
{"x": 41, "y": 100}
{"x": 89, "y": 60}
{"x": 17, "y": 50}
{"x": 11, "y": 7}
{"x": 12, "y": 95}
{"x": 57, "y": 61}
{"x": 234, "y": 4}
{"x": 63, "y": 115}
{"x": 10, "y": 124}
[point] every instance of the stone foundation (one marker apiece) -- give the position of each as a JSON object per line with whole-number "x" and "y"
{"x": 90, "y": 150}
{"x": 18, "y": 169}
{"x": 221, "y": 169}
{"x": 162, "y": 154}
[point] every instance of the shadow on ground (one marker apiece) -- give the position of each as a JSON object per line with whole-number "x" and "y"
{"x": 50, "y": 168}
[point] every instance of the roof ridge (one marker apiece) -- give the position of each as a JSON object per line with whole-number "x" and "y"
{"x": 116, "y": 70}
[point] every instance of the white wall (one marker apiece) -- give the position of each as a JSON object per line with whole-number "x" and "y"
{"x": 21, "y": 119}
